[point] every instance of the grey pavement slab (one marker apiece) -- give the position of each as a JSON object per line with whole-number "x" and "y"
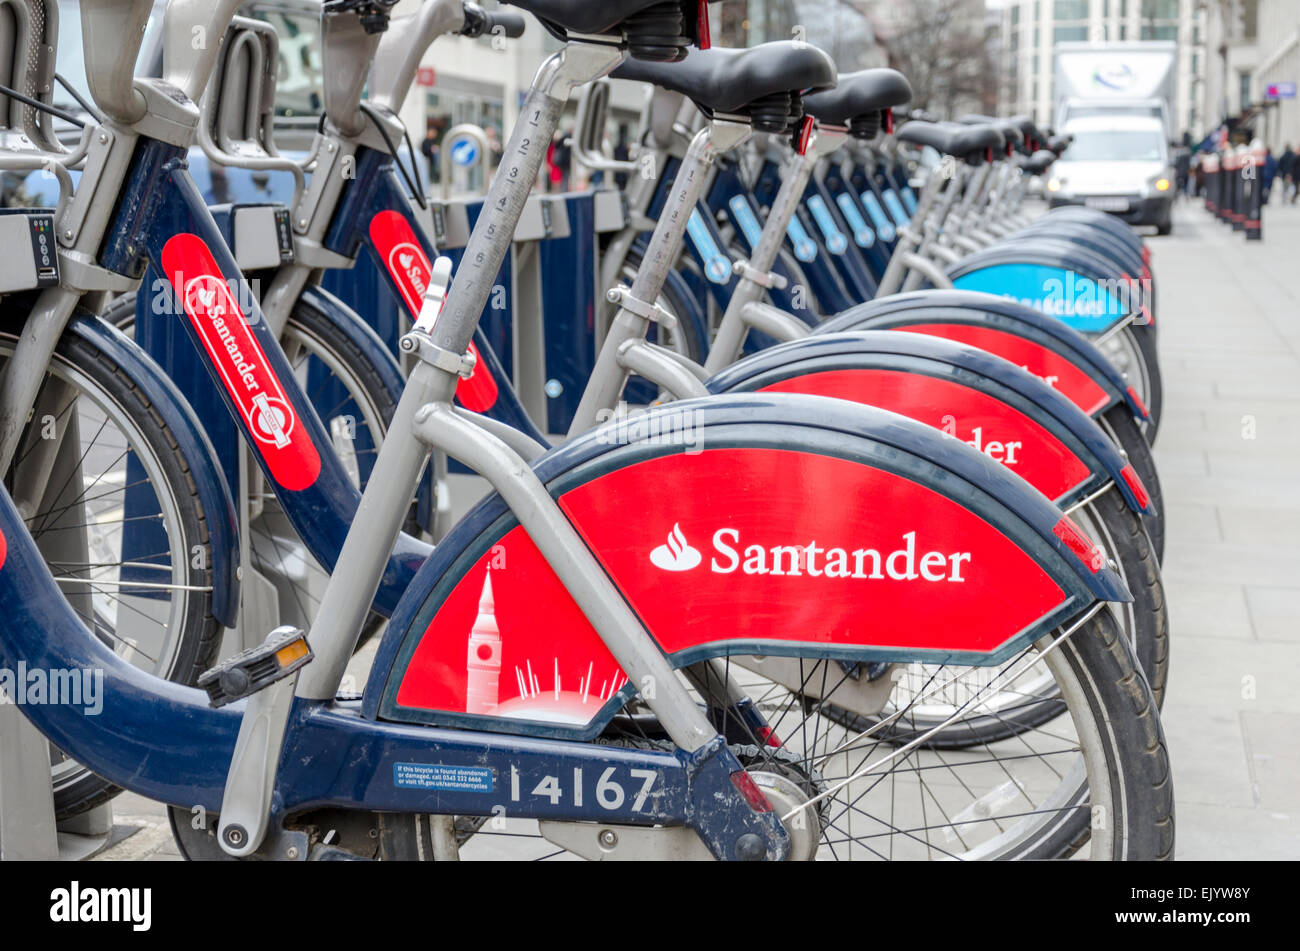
{"x": 1229, "y": 319}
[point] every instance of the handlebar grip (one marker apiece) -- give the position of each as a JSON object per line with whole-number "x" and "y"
{"x": 480, "y": 22}
{"x": 512, "y": 24}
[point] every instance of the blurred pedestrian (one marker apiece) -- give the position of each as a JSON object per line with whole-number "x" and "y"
{"x": 558, "y": 159}
{"x": 1269, "y": 174}
{"x": 1289, "y": 170}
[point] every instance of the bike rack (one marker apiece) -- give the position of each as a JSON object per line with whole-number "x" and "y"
{"x": 28, "y": 829}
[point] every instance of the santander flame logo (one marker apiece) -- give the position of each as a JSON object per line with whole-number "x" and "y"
{"x": 677, "y": 554}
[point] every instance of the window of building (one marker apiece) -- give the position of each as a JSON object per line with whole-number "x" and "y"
{"x": 1159, "y": 32}
{"x": 1070, "y": 34}
{"x": 1071, "y": 9}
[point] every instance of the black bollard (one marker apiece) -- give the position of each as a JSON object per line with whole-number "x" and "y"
{"x": 1210, "y": 165}
{"x": 1254, "y": 209}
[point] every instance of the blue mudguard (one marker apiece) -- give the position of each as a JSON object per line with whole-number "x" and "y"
{"x": 1070, "y": 283}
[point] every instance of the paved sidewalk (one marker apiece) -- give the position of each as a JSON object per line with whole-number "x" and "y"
{"x": 1229, "y": 462}
{"x": 1229, "y": 459}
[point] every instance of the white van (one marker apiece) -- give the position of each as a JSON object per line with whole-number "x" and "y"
{"x": 1119, "y": 164}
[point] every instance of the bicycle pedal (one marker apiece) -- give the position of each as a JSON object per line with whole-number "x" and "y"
{"x": 284, "y": 651}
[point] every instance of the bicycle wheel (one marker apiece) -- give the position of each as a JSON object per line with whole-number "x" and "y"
{"x": 1123, "y": 430}
{"x": 1098, "y": 777}
{"x": 1005, "y": 713}
{"x": 1132, "y": 352}
{"x": 356, "y": 404}
{"x": 113, "y": 508}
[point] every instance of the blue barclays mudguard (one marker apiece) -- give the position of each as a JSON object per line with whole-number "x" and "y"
{"x": 781, "y": 467}
{"x": 1043, "y": 345}
{"x": 1072, "y": 285}
{"x": 975, "y": 396}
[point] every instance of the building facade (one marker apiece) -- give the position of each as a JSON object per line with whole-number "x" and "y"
{"x": 1030, "y": 30}
{"x": 1255, "y": 66}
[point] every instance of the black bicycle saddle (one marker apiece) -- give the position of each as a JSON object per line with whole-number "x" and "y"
{"x": 1034, "y": 137}
{"x": 973, "y": 143}
{"x": 657, "y": 30}
{"x": 858, "y": 99}
{"x": 1038, "y": 163}
{"x": 1012, "y": 137}
{"x": 762, "y": 83}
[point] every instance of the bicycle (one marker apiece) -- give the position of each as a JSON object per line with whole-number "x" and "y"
{"x": 695, "y": 797}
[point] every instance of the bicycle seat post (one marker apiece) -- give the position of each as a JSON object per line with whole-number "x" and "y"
{"x": 755, "y": 275}
{"x": 637, "y": 307}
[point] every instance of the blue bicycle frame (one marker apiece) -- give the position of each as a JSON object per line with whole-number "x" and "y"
{"x": 160, "y": 201}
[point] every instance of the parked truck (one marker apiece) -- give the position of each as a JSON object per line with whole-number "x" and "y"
{"x": 1116, "y": 79}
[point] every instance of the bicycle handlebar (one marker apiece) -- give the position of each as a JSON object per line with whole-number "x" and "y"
{"x": 480, "y": 22}
{"x": 400, "y": 51}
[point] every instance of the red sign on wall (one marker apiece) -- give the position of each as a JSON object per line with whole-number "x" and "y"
{"x": 426, "y": 76}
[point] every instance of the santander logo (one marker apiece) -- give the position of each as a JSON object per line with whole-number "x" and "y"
{"x": 812, "y": 560}
{"x": 677, "y": 554}
{"x": 409, "y": 265}
{"x": 233, "y": 349}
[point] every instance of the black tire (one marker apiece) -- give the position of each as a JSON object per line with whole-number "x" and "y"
{"x": 1138, "y": 814}
{"x": 200, "y": 639}
{"x": 1145, "y": 338}
{"x": 1135, "y": 553}
{"x": 1137, "y": 755}
{"x": 1125, "y": 432}
{"x": 1125, "y": 538}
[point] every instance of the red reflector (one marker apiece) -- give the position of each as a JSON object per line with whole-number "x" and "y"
{"x": 746, "y": 786}
{"x": 1137, "y": 401}
{"x": 1087, "y": 551}
{"x": 889, "y": 122}
{"x": 988, "y": 154}
{"x": 702, "y": 23}
{"x": 1135, "y": 484}
{"x": 1011, "y": 150}
{"x": 805, "y": 134}
{"x": 477, "y": 392}
{"x": 768, "y": 736}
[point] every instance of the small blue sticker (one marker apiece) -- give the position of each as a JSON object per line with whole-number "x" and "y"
{"x": 717, "y": 266}
{"x": 863, "y": 235}
{"x": 884, "y": 226}
{"x": 805, "y": 249}
{"x": 896, "y": 208}
{"x": 745, "y": 219}
{"x": 909, "y": 199}
{"x": 836, "y": 243}
{"x": 438, "y": 776}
